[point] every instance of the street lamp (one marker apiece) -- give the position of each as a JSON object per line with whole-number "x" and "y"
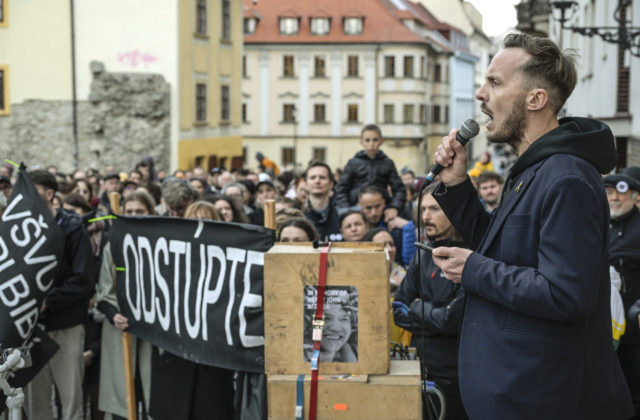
{"x": 627, "y": 36}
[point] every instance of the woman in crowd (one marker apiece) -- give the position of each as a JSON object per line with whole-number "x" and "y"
{"x": 396, "y": 271}
{"x": 229, "y": 209}
{"x": 83, "y": 187}
{"x": 297, "y": 229}
{"x": 352, "y": 226}
{"x": 202, "y": 210}
{"x": 112, "y": 397}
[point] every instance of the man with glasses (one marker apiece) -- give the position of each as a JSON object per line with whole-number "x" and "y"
{"x": 624, "y": 256}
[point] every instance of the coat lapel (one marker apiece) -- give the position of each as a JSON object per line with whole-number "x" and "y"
{"x": 510, "y": 200}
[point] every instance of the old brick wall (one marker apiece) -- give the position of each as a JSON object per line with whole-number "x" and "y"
{"x": 126, "y": 118}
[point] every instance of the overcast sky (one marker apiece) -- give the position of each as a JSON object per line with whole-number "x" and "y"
{"x": 497, "y": 15}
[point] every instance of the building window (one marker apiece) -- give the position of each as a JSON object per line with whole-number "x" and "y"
{"x": 4, "y": 19}
{"x": 353, "y": 25}
{"x": 408, "y": 114}
{"x": 319, "y": 113}
{"x": 244, "y": 113}
{"x": 408, "y": 66}
{"x": 422, "y": 114}
{"x": 437, "y": 76}
{"x": 4, "y": 84}
{"x": 289, "y": 26}
{"x": 244, "y": 66}
{"x": 320, "y": 26}
{"x": 422, "y": 67}
{"x": 446, "y": 114}
{"x": 224, "y": 103}
{"x": 352, "y": 66}
{"x": 436, "y": 114}
{"x": 226, "y": 20}
{"x": 288, "y": 113}
{"x": 287, "y": 66}
{"x": 389, "y": 66}
{"x": 389, "y": 111}
{"x": 352, "y": 113}
{"x": 201, "y": 102}
{"x": 250, "y": 25}
{"x": 288, "y": 156}
{"x": 319, "y": 154}
{"x": 201, "y": 17}
{"x": 319, "y": 66}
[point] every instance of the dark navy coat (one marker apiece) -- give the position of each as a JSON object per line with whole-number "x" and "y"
{"x": 536, "y": 339}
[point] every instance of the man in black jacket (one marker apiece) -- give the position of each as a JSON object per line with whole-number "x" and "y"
{"x": 624, "y": 256}
{"x": 63, "y": 313}
{"x": 319, "y": 208}
{"x": 438, "y": 311}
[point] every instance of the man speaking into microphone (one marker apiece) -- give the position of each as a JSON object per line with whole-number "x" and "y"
{"x": 536, "y": 340}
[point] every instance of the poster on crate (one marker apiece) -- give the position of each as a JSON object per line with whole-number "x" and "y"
{"x": 340, "y": 329}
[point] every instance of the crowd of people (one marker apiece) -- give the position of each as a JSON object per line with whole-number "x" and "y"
{"x": 370, "y": 201}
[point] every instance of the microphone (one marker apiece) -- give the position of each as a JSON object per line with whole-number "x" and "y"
{"x": 468, "y": 130}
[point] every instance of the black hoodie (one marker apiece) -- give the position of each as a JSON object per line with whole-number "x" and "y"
{"x": 68, "y": 299}
{"x": 588, "y": 139}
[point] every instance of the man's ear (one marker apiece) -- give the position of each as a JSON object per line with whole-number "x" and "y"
{"x": 50, "y": 193}
{"x": 537, "y": 99}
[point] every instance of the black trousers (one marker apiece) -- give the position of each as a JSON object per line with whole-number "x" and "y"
{"x": 629, "y": 356}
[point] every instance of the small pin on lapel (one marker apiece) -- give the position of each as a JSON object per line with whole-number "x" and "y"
{"x": 518, "y": 187}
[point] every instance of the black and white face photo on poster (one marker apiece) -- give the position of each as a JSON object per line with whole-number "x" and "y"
{"x": 340, "y": 330}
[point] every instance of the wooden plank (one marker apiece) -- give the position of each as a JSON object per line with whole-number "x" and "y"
{"x": 382, "y": 397}
{"x": 288, "y": 269}
{"x": 114, "y": 201}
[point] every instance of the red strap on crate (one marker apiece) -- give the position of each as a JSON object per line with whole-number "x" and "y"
{"x": 317, "y": 335}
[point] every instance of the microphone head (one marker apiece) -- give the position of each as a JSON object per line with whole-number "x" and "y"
{"x": 469, "y": 129}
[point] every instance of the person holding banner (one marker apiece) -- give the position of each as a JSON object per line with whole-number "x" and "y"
{"x": 183, "y": 389}
{"x": 63, "y": 312}
{"x": 112, "y": 397}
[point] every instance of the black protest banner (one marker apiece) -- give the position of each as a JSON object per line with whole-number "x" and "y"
{"x": 194, "y": 288}
{"x": 30, "y": 251}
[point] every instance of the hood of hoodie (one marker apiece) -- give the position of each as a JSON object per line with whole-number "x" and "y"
{"x": 586, "y": 138}
{"x": 67, "y": 220}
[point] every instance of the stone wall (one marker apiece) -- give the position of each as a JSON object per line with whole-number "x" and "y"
{"x": 126, "y": 118}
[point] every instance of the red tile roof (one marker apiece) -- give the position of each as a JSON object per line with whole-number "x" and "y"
{"x": 380, "y": 25}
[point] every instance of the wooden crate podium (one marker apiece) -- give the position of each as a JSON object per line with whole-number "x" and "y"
{"x": 372, "y": 397}
{"x": 290, "y": 269}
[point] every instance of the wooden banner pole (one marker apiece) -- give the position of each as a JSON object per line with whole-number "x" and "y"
{"x": 270, "y": 214}
{"x": 114, "y": 200}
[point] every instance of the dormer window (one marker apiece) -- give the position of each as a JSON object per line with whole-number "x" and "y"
{"x": 289, "y": 25}
{"x": 353, "y": 26}
{"x": 320, "y": 26}
{"x": 250, "y": 25}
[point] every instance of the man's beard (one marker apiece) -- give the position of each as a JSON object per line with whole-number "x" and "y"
{"x": 492, "y": 201}
{"x": 513, "y": 127}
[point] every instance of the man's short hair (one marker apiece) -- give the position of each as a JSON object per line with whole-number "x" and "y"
{"x": 371, "y": 127}
{"x": 549, "y": 67}
{"x": 177, "y": 191}
{"x": 315, "y": 164}
{"x": 489, "y": 176}
{"x": 44, "y": 178}
{"x": 370, "y": 189}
